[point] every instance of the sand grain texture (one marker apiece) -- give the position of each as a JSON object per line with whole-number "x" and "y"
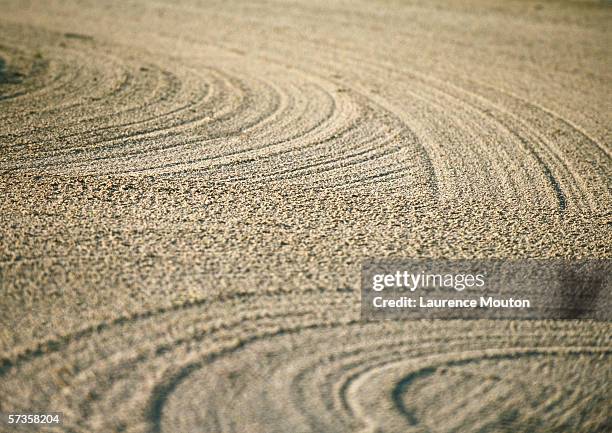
{"x": 188, "y": 190}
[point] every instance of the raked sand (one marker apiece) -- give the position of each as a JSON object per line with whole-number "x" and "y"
{"x": 188, "y": 189}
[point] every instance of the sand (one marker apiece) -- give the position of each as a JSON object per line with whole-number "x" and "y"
{"x": 188, "y": 190}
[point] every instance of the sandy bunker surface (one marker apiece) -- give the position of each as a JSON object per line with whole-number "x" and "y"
{"x": 187, "y": 191}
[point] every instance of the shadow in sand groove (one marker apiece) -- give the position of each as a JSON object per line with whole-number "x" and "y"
{"x": 7, "y": 76}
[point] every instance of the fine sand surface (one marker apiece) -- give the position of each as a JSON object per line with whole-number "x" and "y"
{"x": 188, "y": 190}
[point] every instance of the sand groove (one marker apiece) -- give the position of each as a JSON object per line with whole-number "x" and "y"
{"x": 283, "y": 356}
